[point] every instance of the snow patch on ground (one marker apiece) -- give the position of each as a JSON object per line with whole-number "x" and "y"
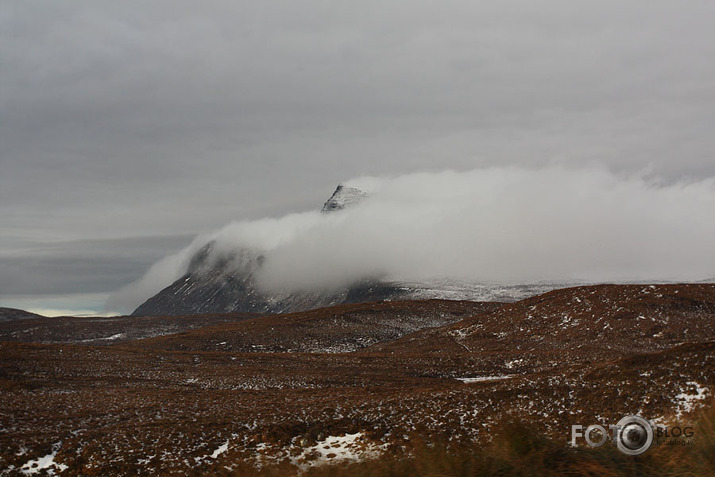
{"x": 687, "y": 402}
{"x": 513, "y": 363}
{"x": 46, "y": 463}
{"x": 222, "y": 448}
{"x": 114, "y": 337}
{"x": 482, "y": 379}
{"x": 105, "y": 338}
{"x": 336, "y": 449}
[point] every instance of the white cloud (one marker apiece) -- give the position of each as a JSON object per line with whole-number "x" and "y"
{"x": 500, "y": 224}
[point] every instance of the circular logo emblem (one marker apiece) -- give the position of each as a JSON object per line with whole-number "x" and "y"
{"x": 635, "y": 435}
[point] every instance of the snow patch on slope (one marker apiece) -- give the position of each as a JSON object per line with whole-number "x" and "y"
{"x": 349, "y": 447}
{"x": 46, "y": 463}
{"x": 688, "y": 401}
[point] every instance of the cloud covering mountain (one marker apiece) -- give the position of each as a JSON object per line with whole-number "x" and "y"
{"x": 496, "y": 225}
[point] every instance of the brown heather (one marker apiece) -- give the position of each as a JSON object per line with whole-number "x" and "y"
{"x": 248, "y": 395}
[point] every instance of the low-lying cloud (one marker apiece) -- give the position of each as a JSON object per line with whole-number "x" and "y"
{"x": 496, "y": 225}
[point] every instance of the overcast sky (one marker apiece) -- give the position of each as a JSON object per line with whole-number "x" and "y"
{"x": 128, "y": 127}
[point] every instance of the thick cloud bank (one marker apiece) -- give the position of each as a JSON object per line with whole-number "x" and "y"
{"x": 490, "y": 225}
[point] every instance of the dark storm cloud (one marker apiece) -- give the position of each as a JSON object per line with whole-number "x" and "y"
{"x": 122, "y": 119}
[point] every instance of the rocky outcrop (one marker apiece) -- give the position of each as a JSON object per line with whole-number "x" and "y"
{"x": 343, "y": 196}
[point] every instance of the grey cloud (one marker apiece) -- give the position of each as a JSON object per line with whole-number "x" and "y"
{"x": 81, "y": 266}
{"x": 174, "y": 117}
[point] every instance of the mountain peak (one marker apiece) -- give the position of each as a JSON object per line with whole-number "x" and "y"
{"x": 344, "y": 196}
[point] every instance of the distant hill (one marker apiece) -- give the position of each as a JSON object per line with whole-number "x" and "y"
{"x": 599, "y": 320}
{"x": 12, "y": 314}
{"x": 104, "y": 330}
{"x": 338, "y": 329}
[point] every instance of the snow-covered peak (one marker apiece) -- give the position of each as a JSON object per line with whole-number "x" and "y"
{"x": 344, "y": 196}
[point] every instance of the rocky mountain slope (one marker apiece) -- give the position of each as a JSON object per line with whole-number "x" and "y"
{"x": 228, "y": 285}
{"x": 343, "y": 196}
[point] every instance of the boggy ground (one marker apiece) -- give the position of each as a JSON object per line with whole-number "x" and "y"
{"x": 180, "y": 404}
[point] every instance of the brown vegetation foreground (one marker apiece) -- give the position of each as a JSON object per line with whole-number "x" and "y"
{"x": 520, "y": 448}
{"x": 488, "y": 394}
